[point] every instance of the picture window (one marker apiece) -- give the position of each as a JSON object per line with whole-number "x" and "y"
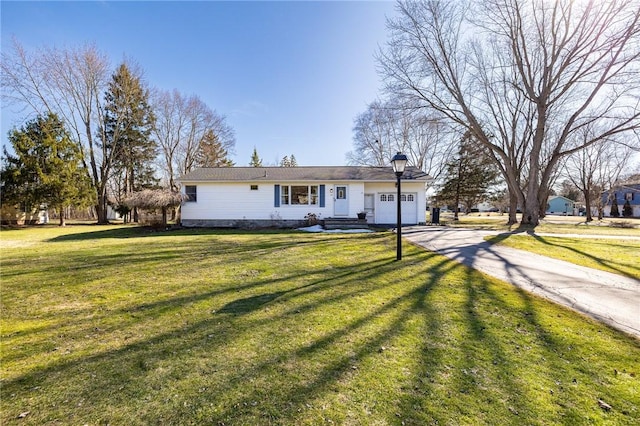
{"x": 302, "y": 195}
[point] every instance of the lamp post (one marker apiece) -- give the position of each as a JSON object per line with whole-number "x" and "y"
{"x": 399, "y": 162}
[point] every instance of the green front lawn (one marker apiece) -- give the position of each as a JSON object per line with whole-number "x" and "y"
{"x": 122, "y": 326}
{"x": 549, "y": 225}
{"x": 619, "y": 256}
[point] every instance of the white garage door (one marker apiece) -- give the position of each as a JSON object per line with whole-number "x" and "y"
{"x": 387, "y": 207}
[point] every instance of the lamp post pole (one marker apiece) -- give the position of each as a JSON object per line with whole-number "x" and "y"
{"x": 399, "y": 162}
{"x": 399, "y": 226}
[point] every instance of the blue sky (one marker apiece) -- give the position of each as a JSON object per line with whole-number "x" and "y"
{"x": 290, "y": 77}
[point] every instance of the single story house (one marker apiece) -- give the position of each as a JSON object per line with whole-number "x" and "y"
{"x": 622, "y": 193}
{"x": 284, "y": 196}
{"x": 558, "y": 204}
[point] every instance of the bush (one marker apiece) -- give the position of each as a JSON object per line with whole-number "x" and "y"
{"x": 614, "y": 208}
{"x": 622, "y": 224}
{"x": 312, "y": 219}
{"x": 627, "y": 211}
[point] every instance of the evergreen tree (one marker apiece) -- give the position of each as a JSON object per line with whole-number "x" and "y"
{"x": 614, "y": 207}
{"x": 47, "y": 168}
{"x": 469, "y": 176}
{"x": 211, "y": 153}
{"x": 256, "y": 161}
{"x": 128, "y": 122}
{"x": 289, "y": 162}
{"x": 627, "y": 211}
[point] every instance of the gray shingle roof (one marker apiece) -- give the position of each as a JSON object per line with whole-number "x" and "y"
{"x": 311, "y": 173}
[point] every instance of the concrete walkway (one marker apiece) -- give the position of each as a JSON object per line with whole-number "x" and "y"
{"x": 610, "y": 298}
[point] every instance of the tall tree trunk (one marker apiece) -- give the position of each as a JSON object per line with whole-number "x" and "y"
{"x": 62, "y": 216}
{"x": 101, "y": 208}
{"x": 513, "y": 209}
{"x": 587, "y": 205}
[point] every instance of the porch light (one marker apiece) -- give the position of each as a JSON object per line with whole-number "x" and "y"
{"x": 399, "y": 162}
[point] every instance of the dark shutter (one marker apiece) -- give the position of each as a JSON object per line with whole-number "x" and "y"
{"x": 322, "y": 202}
{"x": 276, "y": 195}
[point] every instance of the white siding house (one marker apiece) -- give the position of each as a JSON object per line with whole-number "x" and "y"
{"x": 283, "y": 196}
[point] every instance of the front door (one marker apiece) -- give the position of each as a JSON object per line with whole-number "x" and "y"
{"x": 341, "y": 200}
{"x": 369, "y": 205}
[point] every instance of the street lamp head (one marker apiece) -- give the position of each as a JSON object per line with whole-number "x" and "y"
{"x": 399, "y": 162}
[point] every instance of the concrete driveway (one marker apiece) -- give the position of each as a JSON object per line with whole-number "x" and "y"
{"x": 610, "y": 298}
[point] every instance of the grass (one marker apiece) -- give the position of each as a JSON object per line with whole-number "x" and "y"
{"x": 618, "y": 256}
{"x": 118, "y": 325}
{"x": 551, "y": 224}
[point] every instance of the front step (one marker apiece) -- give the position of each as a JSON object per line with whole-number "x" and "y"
{"x": 345, "y": 223}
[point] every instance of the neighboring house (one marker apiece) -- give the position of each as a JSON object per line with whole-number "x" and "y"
{"x": 622, "y": 193}
{"x": 558, "y": 204}
{"x": 485, "y": 207}
{"x": 22, "y": 215}
{"x": 283, "y": 196}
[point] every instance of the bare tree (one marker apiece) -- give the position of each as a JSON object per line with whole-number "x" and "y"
{"x": 182, "y": 123}
{"x": 372, "y": 137}
{"x": 386, "y": 128}
{"x": 69, "y": 83}
{"x": 523, "y": 77}
{"x": 596, "y": 169}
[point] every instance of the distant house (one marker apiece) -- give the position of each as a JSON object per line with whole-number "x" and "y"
{"x": 622, "y": 193}
{"x": 283, "y": 196}
{"x": 24, "y": 215}
{"x": 558, "y": 204}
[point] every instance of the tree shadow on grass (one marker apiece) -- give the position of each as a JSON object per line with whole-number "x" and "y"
{"x": 610, "y": 264}
{"x": 605, "y": 263}
{"x": 132, "y": 231}
{"x": 99, "y": 378}
{"x": 410, "y": 342}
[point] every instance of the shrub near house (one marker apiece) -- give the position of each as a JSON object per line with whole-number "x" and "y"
{"x": 623, "y": 200}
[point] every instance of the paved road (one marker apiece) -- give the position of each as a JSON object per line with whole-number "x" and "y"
{"x": 610, "y": 298}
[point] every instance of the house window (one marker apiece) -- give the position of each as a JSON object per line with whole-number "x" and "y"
{"x": 390, "y": 197}
{"x": 254, "y": 187}
{"x": 192, "y": 192}
{"x": 383, "y": 197}
{"x": 301, "y": 195}
{"x": 628, "y": 196}
{"x": 284, "y": 195}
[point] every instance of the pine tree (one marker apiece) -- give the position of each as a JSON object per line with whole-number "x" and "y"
{"x": 47, "y": 168}
{"x": 627, "y": 210}
{"x": 469, "y": 176}
{"x": 289, "y": 162}
{"x": 129, "y": 121}
{"x": 614, "y": 207}
{"x": 211, "y": 153}
{"x": 256, "y": 161}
